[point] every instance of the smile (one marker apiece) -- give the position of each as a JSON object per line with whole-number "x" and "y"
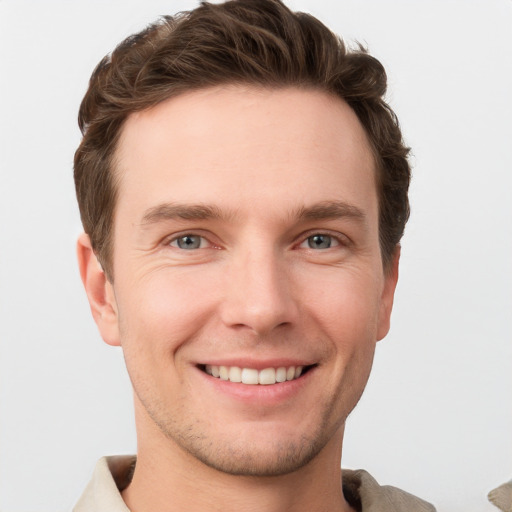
{"x": 251, "y": 376}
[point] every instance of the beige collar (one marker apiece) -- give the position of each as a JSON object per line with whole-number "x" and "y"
{"x": 113, "y": 474}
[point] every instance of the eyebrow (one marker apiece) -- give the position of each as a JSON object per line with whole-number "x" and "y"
{"x": 324, "y": 210}
{"x": 330, "y": 210}
{"x": 171, "y": 211}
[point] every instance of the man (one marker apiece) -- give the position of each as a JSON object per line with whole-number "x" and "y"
{"x": 243, "y": 190}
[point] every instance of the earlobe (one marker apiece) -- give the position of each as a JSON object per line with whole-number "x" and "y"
{"x": 99, "y": 291}
{"x": 388, "y": 294}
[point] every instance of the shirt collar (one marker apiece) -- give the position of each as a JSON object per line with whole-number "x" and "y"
{"x": 113, "y": 474}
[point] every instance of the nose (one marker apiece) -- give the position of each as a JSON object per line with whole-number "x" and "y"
{"x": 259, "y": 293}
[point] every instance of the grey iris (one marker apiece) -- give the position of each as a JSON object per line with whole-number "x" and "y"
{"x": 319, "y": 242}
{"x": 189, "y": 242}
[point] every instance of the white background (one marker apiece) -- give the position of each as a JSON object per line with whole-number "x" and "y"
{"x": 436, "y": 418}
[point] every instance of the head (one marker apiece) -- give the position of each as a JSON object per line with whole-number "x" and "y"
{"x": 259, "y": 43}
{"x": 244, "y": 187}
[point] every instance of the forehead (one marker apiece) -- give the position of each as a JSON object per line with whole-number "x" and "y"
{"x": 239, "y": 144}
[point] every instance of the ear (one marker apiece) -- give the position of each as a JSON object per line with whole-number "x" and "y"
{"x": 388, "y": 294}
{"x": 100, "y": 291}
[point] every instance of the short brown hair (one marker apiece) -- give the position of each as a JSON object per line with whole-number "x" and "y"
{"x": 258, "y": 42}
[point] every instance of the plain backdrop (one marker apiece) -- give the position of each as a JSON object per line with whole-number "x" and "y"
{"x": 436, "y": 418}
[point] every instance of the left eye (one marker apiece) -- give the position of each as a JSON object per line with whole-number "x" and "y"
{"x": 188, "y": 242}
{"x": 320, "y": 241}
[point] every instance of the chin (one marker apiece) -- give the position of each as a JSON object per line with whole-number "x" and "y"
{"x": 279, "y": 459}
{"x": 256, "y": 451}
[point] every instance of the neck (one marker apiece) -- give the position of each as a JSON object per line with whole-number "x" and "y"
{"x": 166, "y": 478}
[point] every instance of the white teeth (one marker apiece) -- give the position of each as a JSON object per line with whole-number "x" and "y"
{"x": 267, "y": 376}
{"x": 281, "y": 374}
{"x": 251, "y": 376}
{"x": 224, "y": 372}
{"x": 235, "y": 374}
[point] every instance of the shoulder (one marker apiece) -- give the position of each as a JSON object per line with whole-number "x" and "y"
{"x": 363, "y": 491}
{"x": 102, "y": 494}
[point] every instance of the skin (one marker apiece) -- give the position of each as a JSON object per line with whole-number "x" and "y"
{"x": 252, "y": 175}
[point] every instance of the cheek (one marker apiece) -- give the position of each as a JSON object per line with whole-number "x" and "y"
{"x": 347, "y": 305}
{"x": 165, "y": 309}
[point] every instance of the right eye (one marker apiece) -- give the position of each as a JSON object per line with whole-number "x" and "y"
{"x": 189, "y": 242}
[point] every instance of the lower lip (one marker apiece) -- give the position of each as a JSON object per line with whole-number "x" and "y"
{"x": 258, "y": 393}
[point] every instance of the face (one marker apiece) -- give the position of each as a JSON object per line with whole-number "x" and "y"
{"x": 248, "y": 287}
